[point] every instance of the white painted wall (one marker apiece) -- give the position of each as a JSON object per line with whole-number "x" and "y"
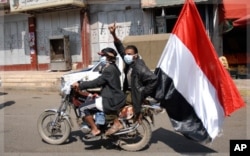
{"x": 59, "y": 23}
{"x": 128, "y": 15}
{"x": 14, "y": 45}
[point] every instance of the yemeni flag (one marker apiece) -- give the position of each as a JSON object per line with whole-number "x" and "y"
{"x": 194, "y": 88}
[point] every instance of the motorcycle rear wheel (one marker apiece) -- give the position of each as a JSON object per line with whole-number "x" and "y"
{"x": 53, "y": 132}
{"x": 140, "y": 139}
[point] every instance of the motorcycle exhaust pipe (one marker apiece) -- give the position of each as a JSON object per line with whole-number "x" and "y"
{"x": 127, "y": 130}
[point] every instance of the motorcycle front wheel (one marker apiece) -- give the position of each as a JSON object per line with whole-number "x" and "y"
{"x": 51, "y": 130}
{"x": 138, "y": 139}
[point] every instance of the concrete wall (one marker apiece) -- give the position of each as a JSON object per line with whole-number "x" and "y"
{"x": 128, "y": 15}
{"x": 14, "y": 41}
{"x": 59, "y": 23}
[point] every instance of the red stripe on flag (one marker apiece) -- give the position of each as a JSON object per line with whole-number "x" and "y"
{"x": 190, "y": 29}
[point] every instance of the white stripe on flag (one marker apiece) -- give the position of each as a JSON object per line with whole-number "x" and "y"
{"x": 179, "y": 64}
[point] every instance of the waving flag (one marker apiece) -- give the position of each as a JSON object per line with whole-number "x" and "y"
{"x": 195, "y": 89}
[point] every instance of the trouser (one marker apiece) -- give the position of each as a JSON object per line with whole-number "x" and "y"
{"x": 91, "y": 105}
{"x": 129, "y": 97}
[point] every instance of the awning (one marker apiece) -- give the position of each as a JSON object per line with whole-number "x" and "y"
{"x": 236, "y": 10}
{"x": 163, "y": 3}
{"x": 243, "y": 21}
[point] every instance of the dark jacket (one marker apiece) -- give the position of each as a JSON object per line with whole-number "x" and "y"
{"x": 143, "y": 81}
{"x": 109, "y": 81}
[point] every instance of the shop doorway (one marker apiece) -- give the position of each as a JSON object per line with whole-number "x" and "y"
{"x": 235, "y": 50}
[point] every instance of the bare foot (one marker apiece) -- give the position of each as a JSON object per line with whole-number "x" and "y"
{"x": 95, "y": 132}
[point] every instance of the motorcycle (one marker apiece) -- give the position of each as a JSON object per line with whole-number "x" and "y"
{"x": 54, "y": 125}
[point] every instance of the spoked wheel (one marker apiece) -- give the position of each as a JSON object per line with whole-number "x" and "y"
{"x": 53, "y": 132}
{"x": 138, "y": 139}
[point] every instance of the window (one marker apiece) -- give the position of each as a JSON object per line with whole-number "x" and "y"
{"x": 165, "y": 19}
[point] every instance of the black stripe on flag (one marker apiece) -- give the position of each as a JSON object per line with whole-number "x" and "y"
{"x": 180, "y": 112}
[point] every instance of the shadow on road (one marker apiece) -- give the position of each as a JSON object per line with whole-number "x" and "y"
{"x": 5, "y": 104}
{"x": 179, "y": 143}
{"x": 92, "y": 145}
{"x": 3, "y": 93}
{"x": 72, "y": 137}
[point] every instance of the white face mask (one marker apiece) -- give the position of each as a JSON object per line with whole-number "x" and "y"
{"x": 128, "y": 59}
{"x": 103, "y": 60}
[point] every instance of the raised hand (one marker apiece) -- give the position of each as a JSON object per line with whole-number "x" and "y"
{"x": 112, "y": 28}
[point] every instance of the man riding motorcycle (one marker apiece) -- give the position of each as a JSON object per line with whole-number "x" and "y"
{"x": 139, "y": 82}
{"x": 111, "y": 96}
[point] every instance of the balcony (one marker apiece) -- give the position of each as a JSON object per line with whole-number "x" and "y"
{"x": 43, "y": 6}
{"x": 4, "y": 7}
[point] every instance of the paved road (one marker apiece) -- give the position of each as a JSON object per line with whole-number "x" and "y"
{"x": 19, "y": 111}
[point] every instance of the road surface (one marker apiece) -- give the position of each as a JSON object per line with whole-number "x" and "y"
{"x": 19, "y": 111}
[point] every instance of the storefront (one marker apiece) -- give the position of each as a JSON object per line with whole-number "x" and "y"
{"x": 29, "y": 26}
{"x": 235, "y": 17}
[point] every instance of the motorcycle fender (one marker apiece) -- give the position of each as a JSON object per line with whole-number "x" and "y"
{"x": 51, "y": 110}
{"x": 66, "y": 117}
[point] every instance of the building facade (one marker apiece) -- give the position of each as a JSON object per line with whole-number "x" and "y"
{"x": 30, "y": 27}
{"x": 128, "y": 16}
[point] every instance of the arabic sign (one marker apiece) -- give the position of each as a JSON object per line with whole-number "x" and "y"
{"x": 25, "y": 5}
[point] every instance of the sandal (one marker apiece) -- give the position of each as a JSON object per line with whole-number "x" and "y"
{"x": 91, "y": 135}
{"x": 113, "y": 129}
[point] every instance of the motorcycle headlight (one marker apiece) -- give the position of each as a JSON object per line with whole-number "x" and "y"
{"x": 63, "y": 90}
{"x": 62, "y": 82}
{"x": 65, "y": 87}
